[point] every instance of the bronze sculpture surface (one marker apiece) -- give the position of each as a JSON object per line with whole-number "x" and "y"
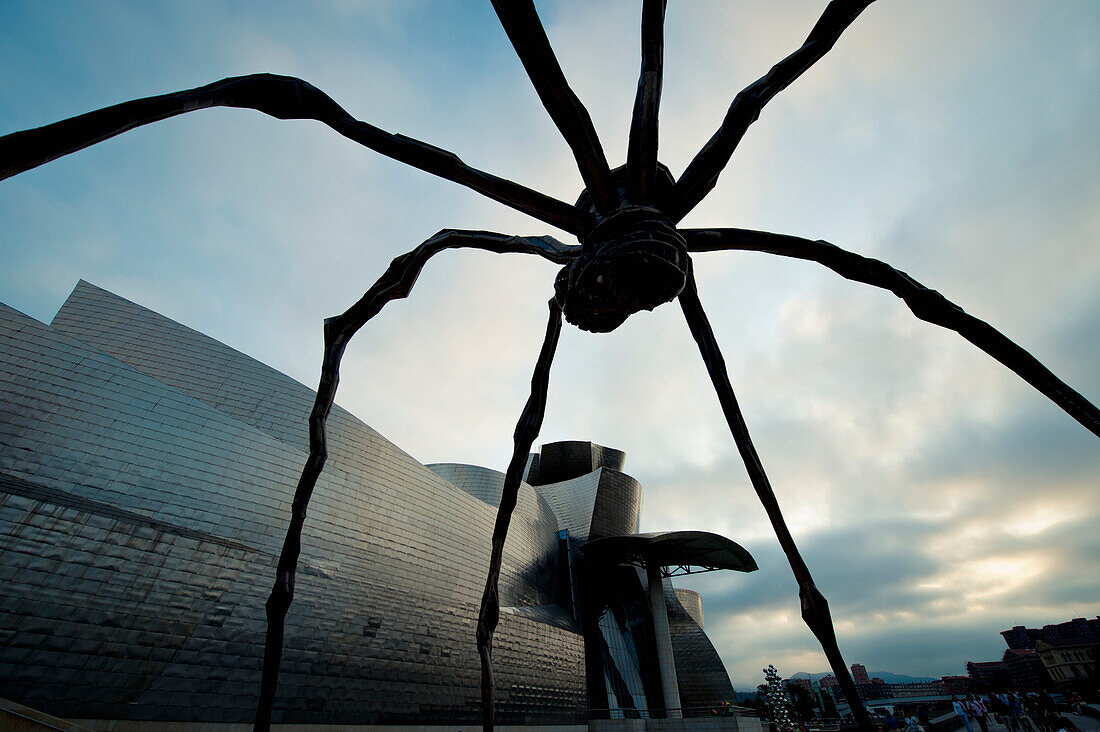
{"x": 631, "y": 255}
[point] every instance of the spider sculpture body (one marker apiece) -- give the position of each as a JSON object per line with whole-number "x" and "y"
{"x": 631, "y": 257}
{"x": 632, "y": 260}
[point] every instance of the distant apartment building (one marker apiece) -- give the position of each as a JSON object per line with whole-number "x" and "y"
{"x": 829, "y": 685}
{"x": 987, "y": 675}
{"x": 917, "y": 688}
{"x": 1069, "y": 662}
{"x": 955, "y": 684}
{"x": 1024, "y": 668}
{"x": 1021, "y": 638}
{"x": 1076, "y": 629}
{"x": 804, "y": 683}
{"x": 874, "y": 689}
{"x": 859, "y": 674}
{"x": 867, "y": 687}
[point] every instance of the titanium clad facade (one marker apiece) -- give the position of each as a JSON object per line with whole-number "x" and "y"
{"x": 533, "y": 525}
{"x": 139, "y": 528}
{"x": 146, "y": 472}
{"x": 703, "y": 681}
{"x": 572, "y": 501}
{"x": 569, "y": 458}
{"x": 692, "y": 603}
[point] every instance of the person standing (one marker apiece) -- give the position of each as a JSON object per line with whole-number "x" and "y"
{"x": 1004, "y": 710}
{"x": 977, "y": 710}
{"x": 960, "y": 710}
{"x": 1047, "y": 717}
{"x": 1016, "y": 709}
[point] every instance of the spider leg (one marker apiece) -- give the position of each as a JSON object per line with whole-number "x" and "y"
{"x": 927, "y": 304}
{"x": 641, "y": 153}
{"x": 701, "y": 175}
{"x": 283, "y": 97}
{"x": 815, "y": 609}
{"x": 527, "y": 429}
{"x": 395, "y": 283}
{"x": 521, "y": 22}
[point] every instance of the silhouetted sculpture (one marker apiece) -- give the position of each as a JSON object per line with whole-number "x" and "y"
{"x": 631, "y": 257}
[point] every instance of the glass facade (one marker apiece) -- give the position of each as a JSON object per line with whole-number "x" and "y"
{"x": 627, "y": 640}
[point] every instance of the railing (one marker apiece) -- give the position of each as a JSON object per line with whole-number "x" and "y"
{"x": 818, "y": 725}
{"x": 684, "y": 712}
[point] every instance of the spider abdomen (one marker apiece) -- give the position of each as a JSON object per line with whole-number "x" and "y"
{"x": 632, "y": 260}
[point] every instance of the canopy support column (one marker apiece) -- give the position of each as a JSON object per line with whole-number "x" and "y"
{"x": 666, "y": 664}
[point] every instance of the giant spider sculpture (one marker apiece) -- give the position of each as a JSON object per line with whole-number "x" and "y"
{"x": 631, "y": 257}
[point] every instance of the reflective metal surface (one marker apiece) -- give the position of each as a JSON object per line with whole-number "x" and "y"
{"x": 148, "y": 478}
{"x": 145, "y": 478}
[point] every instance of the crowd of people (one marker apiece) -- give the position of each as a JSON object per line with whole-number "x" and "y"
{"x": 908, "y": 722}
{"x": 1030, "y": 712}
{"x": 1018, "y": 712}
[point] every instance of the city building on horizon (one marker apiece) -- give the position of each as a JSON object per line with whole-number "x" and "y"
{"x": 859, "y": 674}
{"x": 1068, "y": 661}
{"x": 1025, "y": 668}
{"x": 1058, "y": 655}
{"x": 1077, "y": 629}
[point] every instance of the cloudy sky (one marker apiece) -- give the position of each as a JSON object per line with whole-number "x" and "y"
{"x": 937, "y": 498}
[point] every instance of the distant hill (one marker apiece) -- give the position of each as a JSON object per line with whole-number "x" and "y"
{"x": 887, "y": 676}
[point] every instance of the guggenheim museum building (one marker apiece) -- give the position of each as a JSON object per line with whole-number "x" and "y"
{"x": 146, "y": 473}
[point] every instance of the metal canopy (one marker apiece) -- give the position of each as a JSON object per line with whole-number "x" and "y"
{"x": 684, "y": 552}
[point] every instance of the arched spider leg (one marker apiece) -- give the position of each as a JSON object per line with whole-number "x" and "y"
{"x": 521, "y": 22}
{"x": 283, "y": 97}
{"x": 927, "y": 304}
{"x": 815, "y": 609}
{"x": 395, "y": 283}
{"x": 641, "y": 152}
{"x": 701, "y": 175}
{"x": 527, "y": 429}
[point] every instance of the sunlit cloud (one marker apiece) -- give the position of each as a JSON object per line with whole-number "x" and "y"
{"x": 1038, "y": 517}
